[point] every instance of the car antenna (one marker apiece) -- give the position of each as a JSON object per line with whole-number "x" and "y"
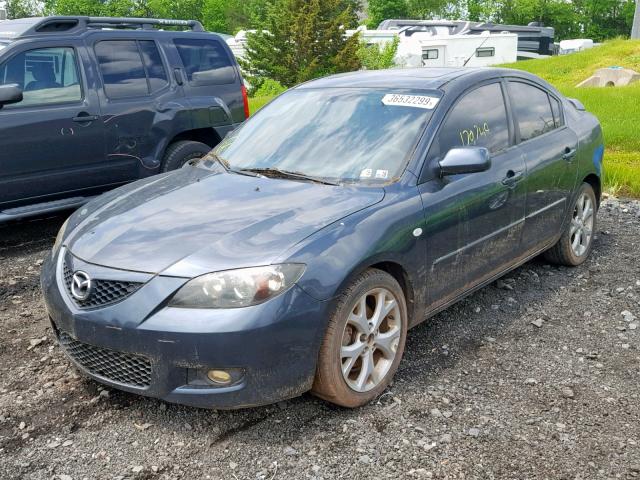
{"x": 476, "y": 49}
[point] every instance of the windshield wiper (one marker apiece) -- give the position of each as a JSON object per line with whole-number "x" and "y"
{"x": 277, "y": 173}
{"x": 228, "y": 167}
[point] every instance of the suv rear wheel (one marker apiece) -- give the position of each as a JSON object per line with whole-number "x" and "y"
{"x": 364, "y": 341}
{"x": 181, "y": 152}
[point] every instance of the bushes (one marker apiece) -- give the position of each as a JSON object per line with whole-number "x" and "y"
{"x": 266, "y": 87}
{"x": 378, "y": 57}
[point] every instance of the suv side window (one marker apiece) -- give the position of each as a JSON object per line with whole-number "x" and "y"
{"x": 478, "y": 119}
{"x": 130, "y": 68}
{"x": 532, "y": 110}
{"x": 47, "y": 76}
{"x": 206, "y": 62}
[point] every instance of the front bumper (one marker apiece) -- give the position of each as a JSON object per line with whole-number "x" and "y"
{"x": 274, "y": 345}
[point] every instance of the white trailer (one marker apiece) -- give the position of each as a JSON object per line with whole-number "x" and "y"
{"x": 423, "y": 49}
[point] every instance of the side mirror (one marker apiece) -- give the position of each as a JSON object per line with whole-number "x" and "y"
{"x": 10, "y": 94}
{"x": 465, "y": 160}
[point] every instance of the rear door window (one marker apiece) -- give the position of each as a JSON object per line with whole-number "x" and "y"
{"x": 206, "y": 62}
{"x": 130, "y": 68}
{"x": 532, "y": 110}
{"x": 47, "y": 76}
{"x": 479, "y": 119}
{"x": 557, "y": 112}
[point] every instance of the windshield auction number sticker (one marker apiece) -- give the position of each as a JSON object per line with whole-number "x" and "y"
{"x": 417, "y": 101}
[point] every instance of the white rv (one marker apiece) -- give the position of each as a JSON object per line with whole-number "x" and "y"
{"x": 425, "y": 49}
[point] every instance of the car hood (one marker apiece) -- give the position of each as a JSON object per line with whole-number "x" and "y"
{"x": 195, "y": 221}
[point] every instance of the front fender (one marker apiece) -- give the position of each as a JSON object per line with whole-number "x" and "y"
{"x": 386, "y": 232}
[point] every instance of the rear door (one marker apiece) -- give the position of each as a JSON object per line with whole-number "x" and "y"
{"x": 550, "y": 148}
{"x": 53, "y": 141}
{"x": 213, "y": 82}
{"x": 473, "y": 221}
{"x": 137, "y": 99}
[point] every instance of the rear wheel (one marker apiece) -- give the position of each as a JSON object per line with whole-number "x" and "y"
{"x": 576, "y": 242}
{"x": 364, "y": 342}
{"x": 181, "y": 152}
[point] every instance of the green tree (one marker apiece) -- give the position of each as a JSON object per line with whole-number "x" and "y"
{"x": 379, "y": 10}
{"x": 23, "y": 8}
{"x": 378, "y": 57}
{"x": 301, "y": 40}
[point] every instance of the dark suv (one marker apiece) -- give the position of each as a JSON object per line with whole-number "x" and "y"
{"x": 90, "y": 103}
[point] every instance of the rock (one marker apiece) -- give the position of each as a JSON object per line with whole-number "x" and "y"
{"x": 628, "y": 316}
{"x": 633, "y": 326}
{"x": 537, "y": 323}
{"x": 22, "y": 425}
{"x": 233, "y": 465}
{"x": 530, "y": 381}
{"x": 62, "y": 476}
{"x": 473, "y": 432}
{"x": 290, "y": 451}
{"x": 567, "y": 392}
{"x": 53, "y": 444}
{"x": 137, "y": 469}
{"x": 67, "y": 443}
{"x": 364, "y": 459}
{"x": 446, "y": 438}
{"x": 504, "y": 285}
{"x": 436, "y": 413}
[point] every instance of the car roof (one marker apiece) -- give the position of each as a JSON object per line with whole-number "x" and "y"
{"x": 426, "y": 78}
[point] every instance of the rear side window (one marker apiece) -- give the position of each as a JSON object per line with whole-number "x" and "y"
{"x": 130, "y": 68}
{"x": 532, "y": 110}
{"x": 206, "y": 62}
{"x": 556, "y": 109}
{"x": 479, "y": 119}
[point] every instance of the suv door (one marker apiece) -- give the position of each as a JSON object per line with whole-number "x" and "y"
{"x": 474, "y": 221}
{"x": 138, "y": 102}
{"x": 549, "y": 147}
{"x": 52, "y": 141}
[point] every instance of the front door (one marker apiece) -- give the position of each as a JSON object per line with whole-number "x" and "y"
{"x": 53, "y": 138}
{"x": 474, "y": 221}
{"x": 550, "y": 148}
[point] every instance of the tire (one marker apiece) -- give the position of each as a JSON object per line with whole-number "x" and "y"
{"x": 579, "y": 231}
{"x": 179, "y": 153}
{"x": 383, "y": 345}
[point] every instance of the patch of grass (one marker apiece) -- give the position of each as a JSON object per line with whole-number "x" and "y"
{"x": 256, "y": 103}
{"x": 617, "y": 108}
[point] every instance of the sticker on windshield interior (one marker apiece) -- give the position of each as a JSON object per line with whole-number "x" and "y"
{"x": 382, "y": 173}
{"x": 418, "y": 101}
{"x": 366, "y": 173}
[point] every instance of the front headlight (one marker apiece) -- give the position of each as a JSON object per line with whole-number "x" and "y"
{"x": 59, "y": 238}
{"x": 237, "y": 288}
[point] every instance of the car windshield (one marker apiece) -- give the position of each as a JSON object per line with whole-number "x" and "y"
{"x": 341, "y": 135}
{"x": 3, "y": 45}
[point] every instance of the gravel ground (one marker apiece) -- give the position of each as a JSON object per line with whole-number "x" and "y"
{"x": 535, "y": 376}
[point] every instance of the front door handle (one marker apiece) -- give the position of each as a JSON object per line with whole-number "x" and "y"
{"x": 84, "y": 118}
{"x": 569, "y": 153}
{"x": 512, "y": 178}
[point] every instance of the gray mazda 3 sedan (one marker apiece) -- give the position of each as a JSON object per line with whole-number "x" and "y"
{"x": 298, "y": 253}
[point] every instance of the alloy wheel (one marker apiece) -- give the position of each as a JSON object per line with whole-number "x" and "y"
{"x": 582, "y": 225}
{"x": 370, "y": 339}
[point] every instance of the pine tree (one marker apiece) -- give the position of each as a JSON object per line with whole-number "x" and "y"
{"x": 302, "y": 40}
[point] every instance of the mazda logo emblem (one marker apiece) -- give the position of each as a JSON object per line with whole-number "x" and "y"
{"x": 81, "y": 285}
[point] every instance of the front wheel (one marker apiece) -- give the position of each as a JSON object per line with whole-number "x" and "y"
{"x": 364, "y": 342}
{"x": 576, "y": 241}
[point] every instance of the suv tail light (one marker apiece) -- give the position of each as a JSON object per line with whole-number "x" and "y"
{"x": 245, "y": 100}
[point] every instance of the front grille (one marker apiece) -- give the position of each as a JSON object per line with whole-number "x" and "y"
{"x": 120, "y": 367}
{"x": 103, "y": 292}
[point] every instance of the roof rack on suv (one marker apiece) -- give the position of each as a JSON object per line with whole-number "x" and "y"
{"x": 39, "y": 26}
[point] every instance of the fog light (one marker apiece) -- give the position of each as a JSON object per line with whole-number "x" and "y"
{"x": 219, "y": 376}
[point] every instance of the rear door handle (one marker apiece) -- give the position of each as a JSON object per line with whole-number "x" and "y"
{"x": 86, "y": 118}
{"x": 569, "y": 153}
{"x": 512, "y": 178}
